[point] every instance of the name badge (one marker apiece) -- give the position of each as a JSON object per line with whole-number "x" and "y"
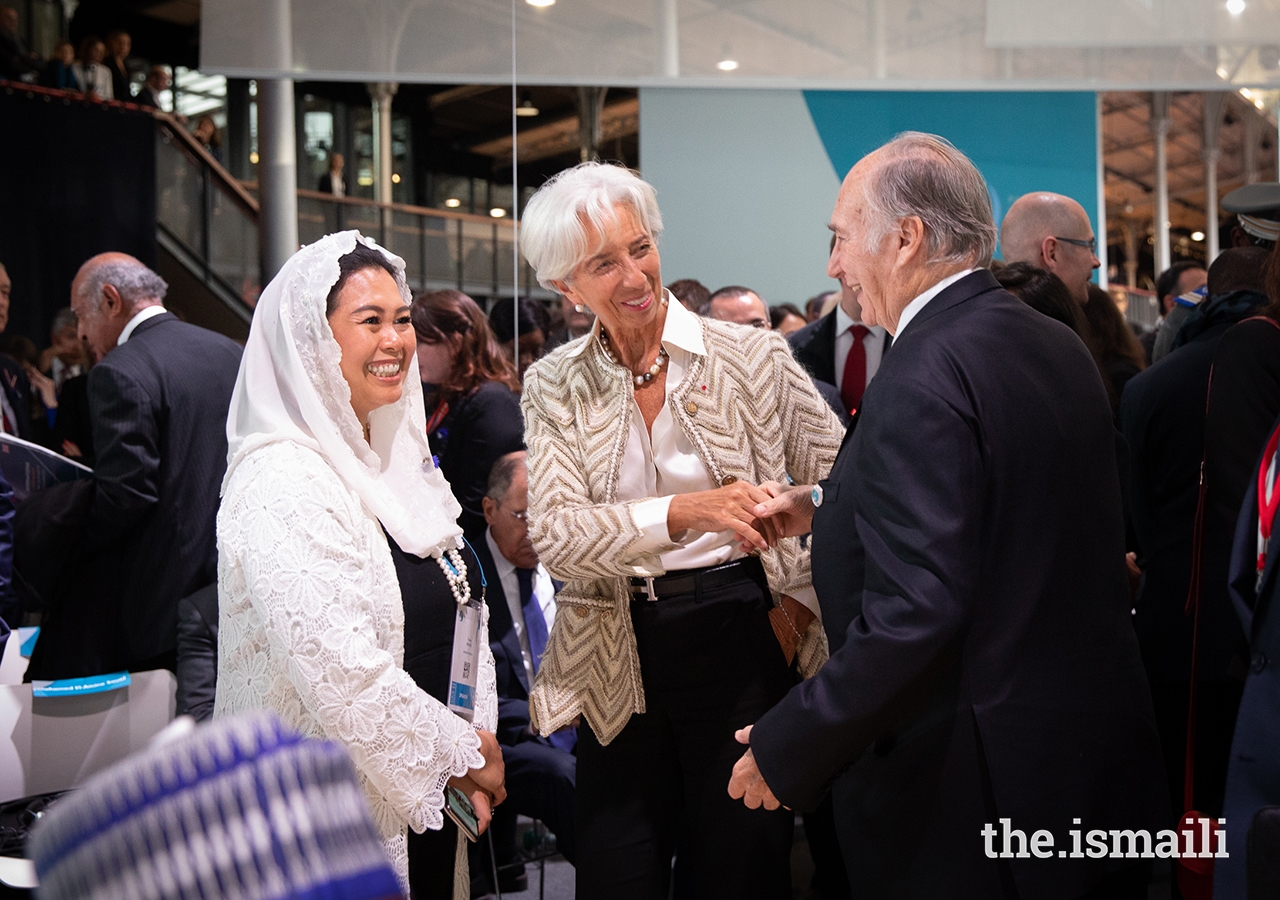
{"x": 466, "y": 660}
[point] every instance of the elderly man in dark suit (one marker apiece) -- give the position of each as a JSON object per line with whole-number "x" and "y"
{"x": 158, "y": 399}
{"x": 984, "y": 697}
{"x": 541, "y": 772}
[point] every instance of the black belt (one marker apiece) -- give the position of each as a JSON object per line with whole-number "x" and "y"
{"x": 689, "y": 581}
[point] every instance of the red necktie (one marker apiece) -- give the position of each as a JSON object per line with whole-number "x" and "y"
{"x": 855, "y": 369}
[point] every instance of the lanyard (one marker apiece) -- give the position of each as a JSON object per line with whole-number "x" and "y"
{"x": 441, "y": 410}
{"x": 1267, "y": 500}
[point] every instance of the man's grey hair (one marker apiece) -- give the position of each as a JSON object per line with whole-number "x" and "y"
{"x": 503, "y": 473}
{"x": 131, "y": 279}
{"x": 926, "y": 176}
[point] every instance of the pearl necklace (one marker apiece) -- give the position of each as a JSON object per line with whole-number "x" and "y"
{"x": 639, "y": 379}
{"x": 455, "y": 572}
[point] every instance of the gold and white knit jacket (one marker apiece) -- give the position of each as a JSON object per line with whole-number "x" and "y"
{"x": 752, "y": 414}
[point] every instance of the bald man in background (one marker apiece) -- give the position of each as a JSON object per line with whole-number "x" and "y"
{"x": 1053, "y": 232}
{"x": 158, "y": 400}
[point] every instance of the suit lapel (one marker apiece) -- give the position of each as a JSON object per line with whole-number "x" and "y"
{"x": 968, "y": 287}
{"x": 500, "y": 613}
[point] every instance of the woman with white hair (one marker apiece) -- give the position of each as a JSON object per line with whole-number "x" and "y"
{"x": 341, "y": 568}
{"x": 683, "y": 618}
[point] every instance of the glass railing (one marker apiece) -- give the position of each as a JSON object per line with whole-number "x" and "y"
{"x": 211, "y": 217}
{"x": 441, "y": 249}
{"x": 210, "y": 221}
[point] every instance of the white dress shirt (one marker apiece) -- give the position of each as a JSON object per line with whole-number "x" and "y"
{"x": 872, "y": 342}
{"x": 543, "y": 589}
{"x": 139, "y": 317}
{"x": 913, "y": 308}
{"x": 666, "y": 464}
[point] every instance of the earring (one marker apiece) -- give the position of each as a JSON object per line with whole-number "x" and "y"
{"x": 579, "y": 308}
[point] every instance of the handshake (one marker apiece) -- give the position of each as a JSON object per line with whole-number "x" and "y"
{"x": 759, "y": 516}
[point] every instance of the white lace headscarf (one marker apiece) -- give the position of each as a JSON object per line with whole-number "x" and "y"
{"x": 291, "y": 388}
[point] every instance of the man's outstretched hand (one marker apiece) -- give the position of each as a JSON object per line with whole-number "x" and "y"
{"x": 746, "y": 783}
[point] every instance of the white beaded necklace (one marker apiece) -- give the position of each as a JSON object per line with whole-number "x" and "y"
{"x": 639, "y": 379}
{"x": 455, "y": 572}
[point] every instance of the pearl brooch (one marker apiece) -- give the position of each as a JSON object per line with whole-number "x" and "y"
{"x": 455, "y": 572}
{"x": 644, "y": 378}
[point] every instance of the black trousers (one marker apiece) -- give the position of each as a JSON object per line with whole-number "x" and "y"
{"x": 710, "y": 665}
{"x": 431, "y": 859}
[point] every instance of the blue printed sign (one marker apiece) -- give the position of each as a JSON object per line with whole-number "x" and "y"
{"x": 67, "y": 687}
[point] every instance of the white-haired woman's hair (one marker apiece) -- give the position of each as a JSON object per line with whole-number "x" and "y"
{"x": 553, "y": 229}
{"x": 925, "y": 175}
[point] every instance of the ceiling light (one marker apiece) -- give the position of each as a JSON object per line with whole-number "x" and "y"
{"x": 1197, "y": 236}
{"x": 395, "y": 178}
{"x": 1235, "y": 7}
{"x": 541, "y": 3}
{"x": 727, "y": 65}
{"x": 497, "y": 212}
{"x": 526, "y": 107}
{"x": 1222, "y": 72}
{"x": 453, "y": 203}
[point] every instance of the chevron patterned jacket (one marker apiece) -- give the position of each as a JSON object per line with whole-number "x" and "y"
{"x": 752, "y": 414}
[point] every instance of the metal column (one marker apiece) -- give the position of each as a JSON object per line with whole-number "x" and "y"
{"x": 668, "y": 39}
{"x": 277, "y": 148}
{"x": 382, "y": 92}
{"x": 1160, "y": 131}
{"x": 1211, "y": 153}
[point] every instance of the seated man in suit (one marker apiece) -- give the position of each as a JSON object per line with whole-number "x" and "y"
{"x": 840, "y": 350}
{"x": 541, "y": 772}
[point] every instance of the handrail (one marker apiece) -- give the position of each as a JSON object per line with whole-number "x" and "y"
{"x": 233, "y": 186}
{"x": 408, "y": 208}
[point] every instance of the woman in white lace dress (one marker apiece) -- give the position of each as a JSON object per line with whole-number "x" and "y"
{"x": 340, "y": 560}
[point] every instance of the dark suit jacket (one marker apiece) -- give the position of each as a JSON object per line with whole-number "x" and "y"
{"x": 325, "y": 185}
{"x": 476, "y": 432}
{"x": 1162, "y": 415}
{"x": 159, "y": 410}
{"x": 17, "y": 389}
{"x": 1253, "y": 777}
{"x": 513, "y": 680}
{"x": 197, "y": 653}
{"x": 814, "y": 347}
{"x": 969, "y": 560}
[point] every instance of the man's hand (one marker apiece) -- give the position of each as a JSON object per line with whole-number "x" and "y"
{"x": 746, "y": 783}
{"x": 725, "y": 508}
{"x": 788, "y": 511}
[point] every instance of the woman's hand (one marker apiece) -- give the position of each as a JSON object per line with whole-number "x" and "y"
{"x": 479, "y": 798}
{"x": 491, "y": 777}
{"x": 43, "y": 385}
{"x": 788, "y": 509}
{"x": 486, "y": 786}
{"x": 728, "y": 508}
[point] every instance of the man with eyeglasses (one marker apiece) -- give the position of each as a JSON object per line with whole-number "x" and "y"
{"x": 1053, "y": 232}
{"x": 736, "y": 303}
{"x": 541, "y": 772}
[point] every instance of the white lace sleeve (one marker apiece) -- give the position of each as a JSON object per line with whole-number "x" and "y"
{"x": 486, "y": 715}
{"x": 311, "y": 574}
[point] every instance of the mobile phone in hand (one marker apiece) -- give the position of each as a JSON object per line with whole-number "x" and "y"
{"x": 458, "y": 806}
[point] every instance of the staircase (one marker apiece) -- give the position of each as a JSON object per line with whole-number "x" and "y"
{"x": 207, "y": 238}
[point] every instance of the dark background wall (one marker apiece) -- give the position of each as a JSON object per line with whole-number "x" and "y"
{"x": 76, "y": 178}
